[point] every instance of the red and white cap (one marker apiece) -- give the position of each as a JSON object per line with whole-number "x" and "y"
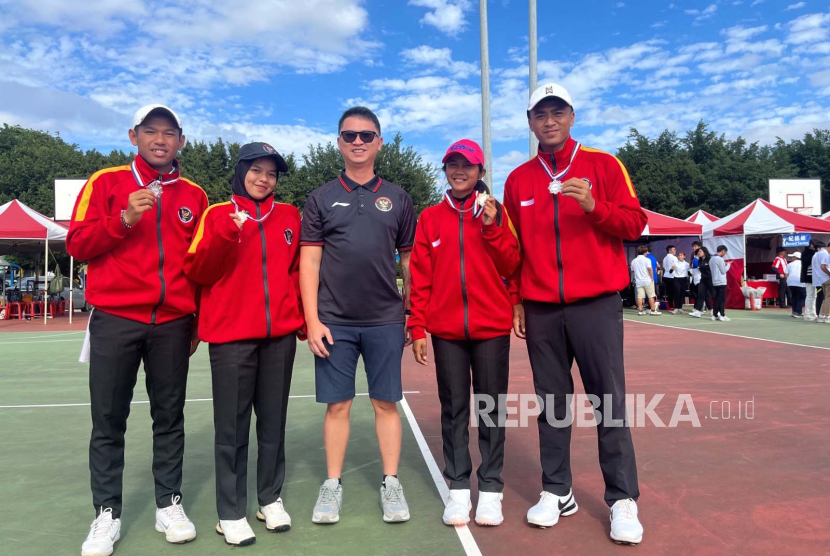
{"x": 145, "y": 111}
{"x": 467, "y": 148}
{"x": 549, "y": 90}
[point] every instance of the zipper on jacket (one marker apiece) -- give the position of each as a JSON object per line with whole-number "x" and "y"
{"x": 463, "y": 274}
{"x": 558, "y": 239}
{"x": 161, "y": 257}
{"x": 265, "y": 276}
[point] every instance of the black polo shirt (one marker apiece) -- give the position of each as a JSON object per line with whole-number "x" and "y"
{"x": 359, "y": 227}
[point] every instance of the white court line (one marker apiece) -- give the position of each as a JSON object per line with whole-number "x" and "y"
{"x": 725, "y": 334}
{"x": 13, "y": 335}
{"x": 464, "y": 533}
{"x": 40, "y": 342}
{"x": 148, "y": 401}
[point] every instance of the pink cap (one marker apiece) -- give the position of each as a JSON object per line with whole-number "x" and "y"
{"x": 468, "y": 148}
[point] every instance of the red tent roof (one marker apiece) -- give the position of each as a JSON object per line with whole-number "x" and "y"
{"x": 761, "y": 217}
{"x": 662, "y": 225}
{"x": 701, "y": 217}
{"x": 23, "y": 229}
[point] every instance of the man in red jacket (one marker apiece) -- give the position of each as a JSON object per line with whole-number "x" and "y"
{"x": 134, "y": 225}
{"x": 572, "y": 206}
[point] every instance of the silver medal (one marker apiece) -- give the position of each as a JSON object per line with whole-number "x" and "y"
{"x": 243, "y": 216}
{"x": 482, "y": 199}
{"x": 154, "y": 187}
{"x": 555, "y": 187}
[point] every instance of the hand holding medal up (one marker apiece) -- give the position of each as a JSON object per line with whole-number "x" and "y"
{"x": 138, "y": 203}
{"x": 579, "y": 189}
{"x": 239, "y": 218}
{"x": 489, "y": 204}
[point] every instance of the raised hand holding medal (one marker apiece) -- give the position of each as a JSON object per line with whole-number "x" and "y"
{"x": 490, "y": 210}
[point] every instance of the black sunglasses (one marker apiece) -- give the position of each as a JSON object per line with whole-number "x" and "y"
{"x": 365, "y": 136}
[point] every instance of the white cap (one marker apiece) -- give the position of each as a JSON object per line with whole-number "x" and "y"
{"x": 144, "y": 111}
{"x": 797, "y": 255}
{"x": 549, "y": 90}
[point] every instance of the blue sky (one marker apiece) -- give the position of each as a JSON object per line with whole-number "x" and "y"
{"x": 283, "y": 70}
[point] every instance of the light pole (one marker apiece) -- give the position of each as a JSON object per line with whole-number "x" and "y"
{"x": 485, "y": 92}
{"x": 533, "y": 41}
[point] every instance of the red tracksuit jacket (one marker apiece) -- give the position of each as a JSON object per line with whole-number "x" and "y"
{"x": 250, "y": 278}
{"x": 568, "y": 254}
{"x": 457, "y": 263}
{"x": 137, "y": 273}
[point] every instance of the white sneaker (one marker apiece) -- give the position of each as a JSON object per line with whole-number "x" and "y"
{"x": 655, "y": 313}
{"x": 457, "y": 510}
{"x": 820, "y": 319}
{"x": 696, "y": 314}
{"x": 625, "y": 527}
{"x": 103, "y": 534}
{"x": 275, "y": 517}
{"x": 237, "y": 532}
{"x": 715, "y": 317}
{"x": 488, "y": 510}
{"x": 393, "y": 502}
{"x": 546, "y": 513}
{"x": 173, "y": 522}
{"x": 810, "y": 318}
{"x": 724, "y": 318}
{"x": 329, "y": 501}
{"x": 641, "y": 313}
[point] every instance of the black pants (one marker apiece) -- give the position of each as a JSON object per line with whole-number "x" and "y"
{"x": 798, "y": 295}
{"x": 782, "y": 292}
{"x": 589, "y": 331}
{"x": 670, "y": 295}
{"x": 680, "y": 287}
{"x": 705, "y": 292}
{"x": 250, "y": 373}
{"x": 720, "y": 301}
{"x": 489, "y": 361}
{"x": 117, "y": 347}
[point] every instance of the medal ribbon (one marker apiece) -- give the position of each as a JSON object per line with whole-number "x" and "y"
{"x": 477, "y": 210}
{"x": 563, "y": 172}
{"x": 140, "y": 183}
{"x": 267, "y": 214}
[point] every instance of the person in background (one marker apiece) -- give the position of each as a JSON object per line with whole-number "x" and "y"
{"x": 780, "y": 268}
{"x": 669, "y": 264}
{"x": 798, "y": 289}
{"x": 655, "y": 269}
{"x": 694, "y": 272}
{"x": 644, "y": 281}
{"x": 719, "y": 269}
{"x": 705, "y": 289}
{"x": 681, "y": 282}
{"x": 807, "y": 278}
{"x": 821, "y": 278}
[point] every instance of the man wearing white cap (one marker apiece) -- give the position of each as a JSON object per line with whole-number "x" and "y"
{"x": 134, "y": 224}
{"x": 567, "y": 202}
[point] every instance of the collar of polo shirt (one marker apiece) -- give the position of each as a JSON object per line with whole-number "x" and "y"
{"x": 350, "y": 185}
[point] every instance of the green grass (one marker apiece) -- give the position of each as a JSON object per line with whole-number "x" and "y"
{"x": 46, "y": 505}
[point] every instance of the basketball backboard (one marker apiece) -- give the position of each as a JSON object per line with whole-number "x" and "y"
{"x": 797, "y": 195}
{"x": 66, "y": 191}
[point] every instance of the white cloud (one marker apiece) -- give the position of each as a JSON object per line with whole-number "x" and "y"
{"x": 703, "y": 14}
{"x": 741, "y": 33}
{"x": 796, "y": 6}
{"x": 448, "y": 16}
{"x": 809, "y": 28}
{"x": 620, "y": 4}
{"x": 438, "y": 58}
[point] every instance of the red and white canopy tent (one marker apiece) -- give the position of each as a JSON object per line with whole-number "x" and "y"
{"x": 662, "y": 225}
{"x": 23, "y": 230}
{"x": 759, "y": 218}
{"x": 701, "y": 217}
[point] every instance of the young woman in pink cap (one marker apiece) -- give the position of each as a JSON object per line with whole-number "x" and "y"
{"x": 464, "y": 249}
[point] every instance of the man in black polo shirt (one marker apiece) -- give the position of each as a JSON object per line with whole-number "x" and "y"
{"x": 351, "y": 229}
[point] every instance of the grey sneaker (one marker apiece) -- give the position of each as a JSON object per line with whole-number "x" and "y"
{"x": 327, "y": 508}
{"x": 393, "y": 502}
